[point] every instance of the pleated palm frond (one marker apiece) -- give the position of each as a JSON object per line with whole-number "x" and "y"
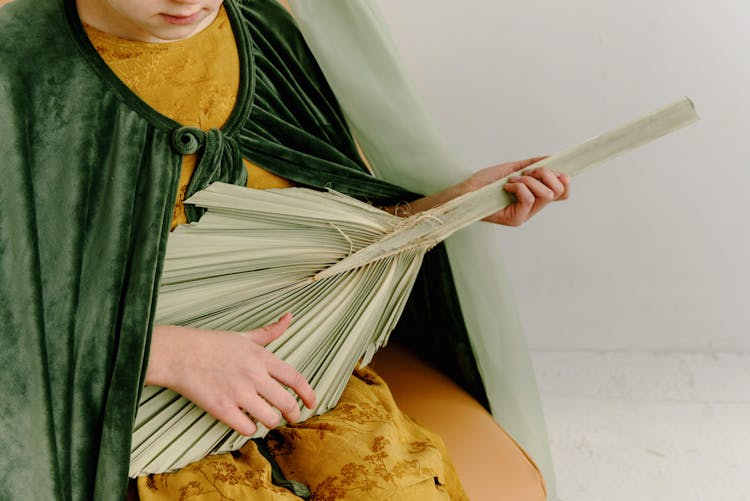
{"x": 342, "y": 267}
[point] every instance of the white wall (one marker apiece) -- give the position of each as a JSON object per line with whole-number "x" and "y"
{"x": 653, "y": 250}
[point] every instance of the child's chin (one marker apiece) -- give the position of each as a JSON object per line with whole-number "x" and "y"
{"x": 171, "y": 29}
{"x": 172, "y": 33}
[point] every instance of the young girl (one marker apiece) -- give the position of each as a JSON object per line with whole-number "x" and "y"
{"x": 112, "y": 113}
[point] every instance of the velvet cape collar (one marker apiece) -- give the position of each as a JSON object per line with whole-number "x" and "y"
{"x": 88, "y": 180}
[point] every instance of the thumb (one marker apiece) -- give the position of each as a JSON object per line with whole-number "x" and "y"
{"x": 508, "y": 168}
{"x": 520, "y": 165}
{"x": 268, "y": 333}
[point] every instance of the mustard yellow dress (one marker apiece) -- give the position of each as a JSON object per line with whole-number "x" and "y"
{"x": 365, "y": 448}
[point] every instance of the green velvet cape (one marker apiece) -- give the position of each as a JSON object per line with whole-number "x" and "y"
{"x": 88, "y": 176}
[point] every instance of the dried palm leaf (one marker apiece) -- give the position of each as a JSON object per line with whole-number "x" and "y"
{"x": 344, "y": 268}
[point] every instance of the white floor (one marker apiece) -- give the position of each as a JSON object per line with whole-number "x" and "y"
{"x": 648, "y": 426}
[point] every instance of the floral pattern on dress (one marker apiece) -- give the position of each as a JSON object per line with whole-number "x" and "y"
{"x": 225, "y": 477}
{"x": 364, "y": 449}
{"x": 365, "y": 476}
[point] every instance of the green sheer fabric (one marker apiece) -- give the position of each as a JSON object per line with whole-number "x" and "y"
{"x": 351, "y": 43}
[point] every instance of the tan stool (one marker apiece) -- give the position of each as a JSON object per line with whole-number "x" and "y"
{"x": 492, "y": 467}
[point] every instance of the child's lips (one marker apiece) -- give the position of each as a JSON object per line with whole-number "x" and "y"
{"x": 181, "y": 19}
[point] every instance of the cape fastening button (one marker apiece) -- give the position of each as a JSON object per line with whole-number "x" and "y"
{"x": 188, "y": 140}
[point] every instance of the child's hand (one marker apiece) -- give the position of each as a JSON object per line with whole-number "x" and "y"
{"x": 533, "y": 189}
{"x": 229, "y": 374}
